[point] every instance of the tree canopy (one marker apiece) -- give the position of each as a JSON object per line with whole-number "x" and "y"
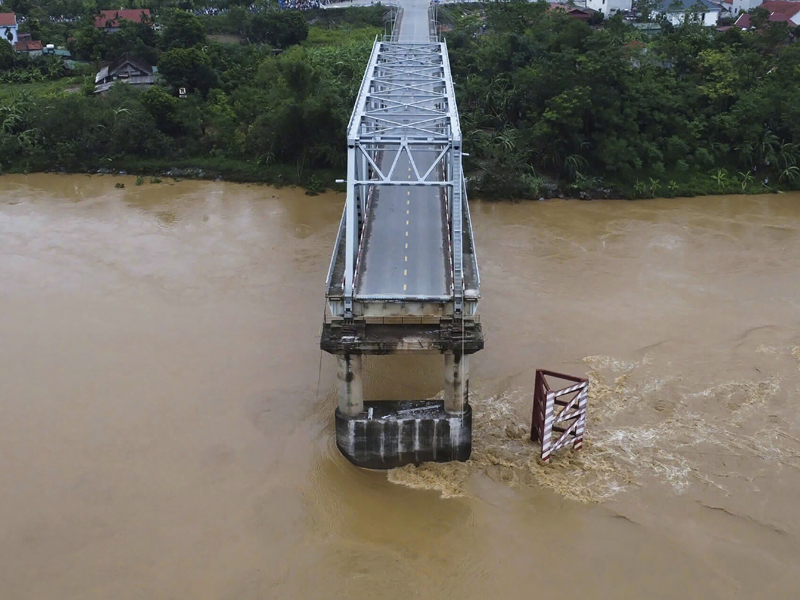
{"x": 543, "y": 96}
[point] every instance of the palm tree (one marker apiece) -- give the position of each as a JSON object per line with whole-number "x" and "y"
{"x": 766, "y": 148}
{"x": 574, "y": 164}
{"x": 721, "y": 177}
{"x": 792, "y": 173}
{"x": 672, "y": 186}
{"x": 27, "y": 139}
{"x": 655, "y": 184}
{"x": 120, "y": 111}
{"x": 506, "y": 139}
{"x": 786, "y": 155}
{"x": 747, "y": 179}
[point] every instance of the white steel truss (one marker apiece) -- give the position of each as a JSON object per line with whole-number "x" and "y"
{"x": 405, "y": 106}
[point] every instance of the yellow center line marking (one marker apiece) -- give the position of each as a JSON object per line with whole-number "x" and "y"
{"x": 405, "y": 259}
{"x": 408, "y": 201}
{"x": 406, "y": 245}
{"x": 405, "y": 271}
{"x": 406, "y": 234}
{"x": 405, "y": 287}
{"x": 409, "y": 193}
{"x": 408, "y": 211}
{"x": 406, "y": 221}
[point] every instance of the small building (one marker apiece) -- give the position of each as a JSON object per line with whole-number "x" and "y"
{"x": 609, "y": 7}
{"x": 51, "y": 50}
{"x": 680, "y": 11}
{"x": 575, "y": 12}
{"x": 779, "y": 10}
{"x": 26, "y": 45}
{"x": 8, "y": 28}
{"x": 650, "y": 29}
{"x": 127, "y": 69}
{"x": 108, "y": 20}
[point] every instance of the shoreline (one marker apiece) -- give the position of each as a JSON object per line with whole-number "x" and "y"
{"x": 321, "y": 186}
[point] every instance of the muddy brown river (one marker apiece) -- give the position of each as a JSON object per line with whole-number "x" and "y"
{"x": 166, "y": 417}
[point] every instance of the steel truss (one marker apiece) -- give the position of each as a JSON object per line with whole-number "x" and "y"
{"x": 406, "y": 106}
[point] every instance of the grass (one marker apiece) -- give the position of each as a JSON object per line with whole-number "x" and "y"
{"x": 40, "y": 88}
{"x": 318, "y": 36}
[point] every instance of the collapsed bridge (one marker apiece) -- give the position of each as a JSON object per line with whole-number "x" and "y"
{"x": 404, "y": 273}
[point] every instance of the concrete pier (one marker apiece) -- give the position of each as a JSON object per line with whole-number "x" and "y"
{"x": 456, "y": 382}
{"x": 391, "y": 434}
{"x": 351, "y": 384}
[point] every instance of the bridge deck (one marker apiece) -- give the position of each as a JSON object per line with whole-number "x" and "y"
{"x": 406, "y": 249}
{"x": 406, "y": 246}
{"x": 415, "y": 254}
{"x": 415, "y": 24}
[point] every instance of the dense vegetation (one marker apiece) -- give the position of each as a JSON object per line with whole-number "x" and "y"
{"x": 545, "y": 97}
{"x": 273, "y": 111}
{"x": 545, "y": 101}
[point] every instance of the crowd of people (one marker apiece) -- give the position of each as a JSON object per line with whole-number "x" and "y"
{"x": 299, "y": 4}
{"x": 283, "y": 4}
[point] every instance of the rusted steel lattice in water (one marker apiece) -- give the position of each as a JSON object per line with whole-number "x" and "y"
{"x": 561, "y": 412}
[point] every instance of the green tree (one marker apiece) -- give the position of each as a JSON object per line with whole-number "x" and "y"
{"x": 163, "y": 107}
{"x": 183, "y": 30}
{"x": 7, "y": 56}
{"x": 279, "y": 28}
{"x": 190, "y": 68}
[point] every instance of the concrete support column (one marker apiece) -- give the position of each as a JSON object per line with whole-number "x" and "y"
{"x": 456, "y": 382}
{"x": 351, "y": 388}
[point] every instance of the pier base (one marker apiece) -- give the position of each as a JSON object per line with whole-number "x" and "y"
{"x": 389, "y": 434}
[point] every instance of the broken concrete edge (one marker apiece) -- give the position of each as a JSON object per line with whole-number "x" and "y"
{"x": 395, "y": 433}
{"x": 361, "y": 338}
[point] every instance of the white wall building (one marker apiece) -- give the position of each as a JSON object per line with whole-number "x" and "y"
{"x": 609, "y": 7}
{"x": 8, "y": 27}
{"x": 679, "y": 11}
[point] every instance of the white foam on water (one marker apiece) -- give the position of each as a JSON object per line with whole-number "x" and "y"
{"x": 641, "y": 430}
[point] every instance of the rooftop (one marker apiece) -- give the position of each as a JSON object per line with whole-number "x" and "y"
{"x": 8, "y": 19}
{"x": 111, "y": 18}
{"x": 781, "y": 7}
{"x": 28, "y": 46}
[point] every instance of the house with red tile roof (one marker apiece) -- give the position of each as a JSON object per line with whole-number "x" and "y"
{"x": 108, "y": 20}
{"x": 779, "y": 11}
{"x": 27, "y": 45}
{"x": 8, "y": 27}
{"x": 575, "y": 12}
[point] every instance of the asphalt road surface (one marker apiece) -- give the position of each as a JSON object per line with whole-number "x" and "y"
{"x": 406, "y": 250}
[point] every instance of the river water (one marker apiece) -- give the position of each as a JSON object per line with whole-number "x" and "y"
{"x": 166, "y": 417}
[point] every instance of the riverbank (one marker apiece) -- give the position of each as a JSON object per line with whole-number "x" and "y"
{"x": 313, "y": 181}
{"x": 316, "y": 181}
